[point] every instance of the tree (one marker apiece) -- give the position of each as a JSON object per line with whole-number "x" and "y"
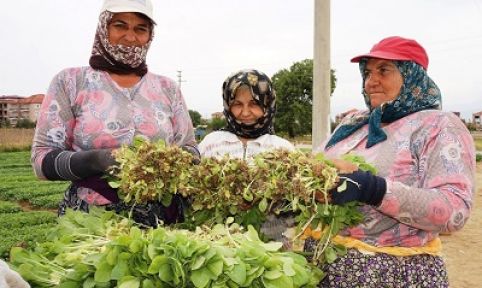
{"x": 25, "y": 123}
{"x": 5, "y": 123}
{"x": 195, "y": 117}
{"x": 216, "y": 124}
{"x": 294, "y": 91}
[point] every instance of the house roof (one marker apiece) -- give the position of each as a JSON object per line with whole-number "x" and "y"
{"x": 14, "y": 99}
{"x": 34, "y": 99}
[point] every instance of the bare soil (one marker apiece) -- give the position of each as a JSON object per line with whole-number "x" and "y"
{"x": 463, "y": 249}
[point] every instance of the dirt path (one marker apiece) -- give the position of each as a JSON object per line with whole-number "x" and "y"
{"x": 463, "y": 249}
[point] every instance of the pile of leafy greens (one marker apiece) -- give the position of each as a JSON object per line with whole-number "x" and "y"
{"x": 274, "y": 182}
{"x": 219, "y": 244}
{"x": 102, "y": 249}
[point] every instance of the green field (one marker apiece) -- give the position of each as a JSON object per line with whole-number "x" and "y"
{"x": 27, "y": 205}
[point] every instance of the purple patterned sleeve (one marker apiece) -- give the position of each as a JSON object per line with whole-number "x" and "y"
{"x": 55, "y": 121}
{"x": 182, "y": 126}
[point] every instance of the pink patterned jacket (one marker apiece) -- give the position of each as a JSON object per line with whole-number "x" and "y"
{"x": 428, "y": 161}
{"x": 85, "y": 109}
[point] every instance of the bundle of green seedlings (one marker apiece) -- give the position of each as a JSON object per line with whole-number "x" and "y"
{"x": 102, "y": 249}
{"x": 276, "y": 182}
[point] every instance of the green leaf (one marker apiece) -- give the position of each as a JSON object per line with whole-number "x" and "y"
{"x": 89, "y": 283}
{"x": 156, "y": 264}
{"x": 130, "y": 282}
{"x": 103, "y": 272}
{"x": 78, "y": 273}
{"x": 279, "y": 282}
{"x": 111, "y": 257}
{"x": 216, "y": 267}
{"x": 200, "y": 278}
{"x": 197, "y": 263}
{"x": 229, "y": 220}
{"x": 238, "y": 273}
{"x": 166, "y": 200}
{"x": 341, "y": 187}
{"x": 330, "y": 254}
{"x": 272, "y": 246}
{"x": 114, "y": 184}
{"x": 121, "y": 269}
{"x": 247, "y": 195}
{"x": 148, "y": 283}
{"x": 288, "y": 266}
{"x": 136, "y": 246}
{"x": 166, "y": 273}
{"x": 301, "y": 276}
{"x": 68, "y": 284}
{"x": 273, "y": 274}
{"x": 263, "y": 205}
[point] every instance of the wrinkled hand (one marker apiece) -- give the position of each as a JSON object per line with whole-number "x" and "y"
{"x": 359, "y": 186}
{"x": 343, "y": 166}
{"x": 10, "y": 278}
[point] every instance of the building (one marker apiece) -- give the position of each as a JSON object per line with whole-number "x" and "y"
{"x": 200, "y": 132}
{"x": 14, "y": 108}
{"x": 217, "y": 115}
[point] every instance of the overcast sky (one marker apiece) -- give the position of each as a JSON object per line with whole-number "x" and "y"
{"x": 209, "y": 39}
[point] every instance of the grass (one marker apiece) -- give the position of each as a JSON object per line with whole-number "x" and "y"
{"x": 22, "y": 196}
{"x": 18, "y": 182}
{"x": 9, "y": 207}
{"x": 14, "y": 139}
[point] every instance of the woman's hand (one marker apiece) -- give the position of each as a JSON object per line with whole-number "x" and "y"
{"x": 344, "y": 166}
{"x": 359, "y": 186}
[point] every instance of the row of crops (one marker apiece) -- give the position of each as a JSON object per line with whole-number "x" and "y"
{"x": 27, "y": 205}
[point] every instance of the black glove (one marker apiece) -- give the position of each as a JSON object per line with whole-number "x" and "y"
{"x": 92, "y": 162}
{"x": 360, "y": 186}
{"x": 68, "y": 165}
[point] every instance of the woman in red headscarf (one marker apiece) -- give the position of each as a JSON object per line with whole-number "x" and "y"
{"x": 425, "y": 183}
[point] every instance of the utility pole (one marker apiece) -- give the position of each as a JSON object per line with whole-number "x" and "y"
{"x": 179, "y": 78}
{"x": 321, "y": 73}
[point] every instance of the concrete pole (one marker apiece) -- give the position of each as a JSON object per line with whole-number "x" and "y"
{"x": 321, "y": 73}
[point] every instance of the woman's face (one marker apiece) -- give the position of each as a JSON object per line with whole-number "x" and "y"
{"x": 383, "y": 81}
{"x": 244, "y": 108}
{"x": 129, "y": 29}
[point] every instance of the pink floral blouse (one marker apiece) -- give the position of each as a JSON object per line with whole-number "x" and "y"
{"x": 428, "y": 161}
{"x": 85, "y": 109}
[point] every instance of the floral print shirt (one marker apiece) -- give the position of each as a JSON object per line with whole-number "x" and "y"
{"x": 428, "y": 161}
{"x": 85, "y": 109}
